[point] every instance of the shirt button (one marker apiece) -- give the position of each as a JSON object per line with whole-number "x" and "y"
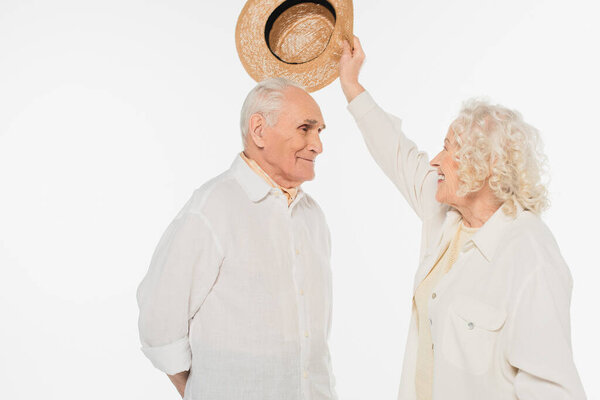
{"x": 301, "y": 292}
{"x": 430, "y": 321}
{"x": 431, "y": 346}
{"x": 433, "y": 295}
{"x": 305, "y": 374}
{"x": 470, "y": 325}
{"x": 305, "y": 333}
{"x": 297, "y": 251}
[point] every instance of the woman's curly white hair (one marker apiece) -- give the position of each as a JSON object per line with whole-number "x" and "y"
{"x": 496, "y": 145}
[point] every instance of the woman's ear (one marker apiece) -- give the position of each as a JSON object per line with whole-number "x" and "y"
{"x": 256, "y": 129}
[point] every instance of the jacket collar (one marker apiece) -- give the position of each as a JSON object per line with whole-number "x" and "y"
{"x": 487, "y": 238}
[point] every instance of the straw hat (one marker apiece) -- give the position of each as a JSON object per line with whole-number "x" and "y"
{"x": 294, "y": 39}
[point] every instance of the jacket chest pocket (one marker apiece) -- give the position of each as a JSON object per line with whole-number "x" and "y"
{"x": 471, "y": 334}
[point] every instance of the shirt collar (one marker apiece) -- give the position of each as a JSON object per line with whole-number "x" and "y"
{"x": 487, "y": 238}
{"x": 255, "y": 187}
{"x": 289, "y": 193}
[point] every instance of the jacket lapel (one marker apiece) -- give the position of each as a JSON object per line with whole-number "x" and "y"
{"x": 435, "y": 253}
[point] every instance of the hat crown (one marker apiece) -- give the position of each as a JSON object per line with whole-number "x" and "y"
{"x": 301, "y": 32}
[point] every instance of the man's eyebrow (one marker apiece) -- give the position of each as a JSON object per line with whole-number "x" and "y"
{"x": 446, "y": 141}
{"x": 312, "y": 122}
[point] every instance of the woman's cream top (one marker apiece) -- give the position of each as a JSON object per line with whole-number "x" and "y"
{"x": 424, "y": 292}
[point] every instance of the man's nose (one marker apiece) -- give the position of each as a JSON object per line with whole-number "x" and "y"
{"x": 315, "y": 144}
{"x": 435, "y": 163}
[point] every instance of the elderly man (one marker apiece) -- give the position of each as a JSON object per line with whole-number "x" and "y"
{"x": 237, "y": 300}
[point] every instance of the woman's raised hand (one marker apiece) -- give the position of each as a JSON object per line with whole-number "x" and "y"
{"x": 350, "y": 63}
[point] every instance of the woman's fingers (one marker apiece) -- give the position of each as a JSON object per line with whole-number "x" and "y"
{"x": 350, "y": 63}
{"x": 346, "y": 49}
{"x": 358, "y": 50}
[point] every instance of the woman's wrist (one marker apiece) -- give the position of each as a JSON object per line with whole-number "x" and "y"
{"x": 352, "y": 90}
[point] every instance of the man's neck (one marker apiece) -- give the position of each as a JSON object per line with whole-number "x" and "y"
{"x": 270, "y": 170}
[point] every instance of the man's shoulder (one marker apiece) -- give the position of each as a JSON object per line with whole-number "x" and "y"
{"x": 312, "y": 207}
{"x": 216, "y": 191}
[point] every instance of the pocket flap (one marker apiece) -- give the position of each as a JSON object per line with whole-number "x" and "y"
{"x": 478, "y": 314}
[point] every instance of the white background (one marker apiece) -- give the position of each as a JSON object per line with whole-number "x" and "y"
{"x": 113, "y": 111}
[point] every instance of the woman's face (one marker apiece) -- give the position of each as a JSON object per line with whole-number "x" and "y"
{"x": 447, "y": 169}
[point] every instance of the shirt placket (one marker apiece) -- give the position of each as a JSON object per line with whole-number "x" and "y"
{"x": 299, "y": 277}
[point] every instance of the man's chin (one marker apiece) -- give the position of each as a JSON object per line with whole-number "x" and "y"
{"x": 308, "y": 176}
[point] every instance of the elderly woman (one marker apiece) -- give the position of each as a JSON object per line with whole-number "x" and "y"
{"x": 490, "y": 315}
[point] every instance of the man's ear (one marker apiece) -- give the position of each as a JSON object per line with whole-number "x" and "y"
{"x": 256, "y": 129}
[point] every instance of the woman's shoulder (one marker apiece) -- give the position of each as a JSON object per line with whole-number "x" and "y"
{"x": 531, "y": 246}
{"x": 529, "y": 230}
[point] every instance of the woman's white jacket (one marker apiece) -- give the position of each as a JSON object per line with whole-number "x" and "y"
{"x": 500, "y": 318}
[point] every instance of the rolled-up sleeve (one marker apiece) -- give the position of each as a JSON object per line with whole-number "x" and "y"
{"x": 183, "y": 269}
{"x": 540, "y": 337}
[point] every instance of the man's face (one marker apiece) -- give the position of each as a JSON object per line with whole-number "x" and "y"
{"x": 292, "y": 144}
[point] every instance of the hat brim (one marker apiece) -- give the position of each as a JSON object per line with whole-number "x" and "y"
{"x": 261, "y": 63}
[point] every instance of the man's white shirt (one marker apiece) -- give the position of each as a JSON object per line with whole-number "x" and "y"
{"x": 239, "y": 290}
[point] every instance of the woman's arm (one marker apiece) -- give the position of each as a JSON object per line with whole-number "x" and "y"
{"x": 400, "y": 159}
{"x": 539, "y": 329}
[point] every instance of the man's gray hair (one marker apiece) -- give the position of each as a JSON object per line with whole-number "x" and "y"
{"x": 264, "y": 99}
